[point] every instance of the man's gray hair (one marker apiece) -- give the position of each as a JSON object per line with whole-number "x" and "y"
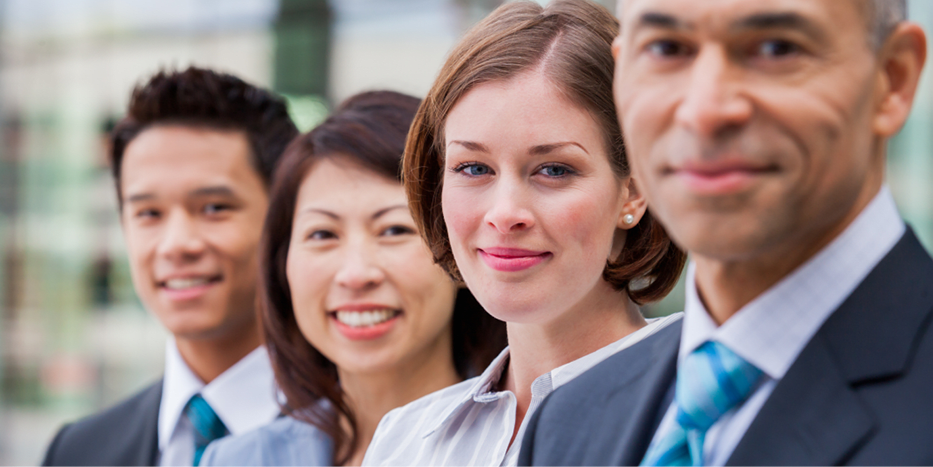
{"x": 883, "y": 16}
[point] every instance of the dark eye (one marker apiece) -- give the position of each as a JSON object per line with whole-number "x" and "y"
{"x": 473, "y": 169}
{"x": 396, "y": 230}
{"x": 777, "y": 48}
{"x": 322, "y": 235}
{"x": 216, "y": 208}
{"x": 667, "y": 48}
{"x": 555, "y": 171}
{"x": 147, "y": 214}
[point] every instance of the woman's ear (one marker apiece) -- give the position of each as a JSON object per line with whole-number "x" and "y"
{"x": 633, "y": 204}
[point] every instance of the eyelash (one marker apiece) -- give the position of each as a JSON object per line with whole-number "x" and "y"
{"x": 567, "y": 170}
{"x": 399, "y": 229}
{"x": 460, "y": 168}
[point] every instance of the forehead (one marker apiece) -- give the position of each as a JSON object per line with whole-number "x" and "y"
{"x": 164, "y": 158}
{"x": 525, "y": 110}
{"x": 339, "y": 184}
{"x": 842, "y": 15}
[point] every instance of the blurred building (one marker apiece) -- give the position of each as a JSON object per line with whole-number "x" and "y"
{"x": 73, "y": 336}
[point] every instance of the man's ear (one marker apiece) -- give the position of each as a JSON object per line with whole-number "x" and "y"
{"x": 634, "y": 204}
{"x": 901, "y": 61}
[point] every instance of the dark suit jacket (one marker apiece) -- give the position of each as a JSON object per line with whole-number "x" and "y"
{"x": 126, "y": 434}
{"x": 860, "y": 392}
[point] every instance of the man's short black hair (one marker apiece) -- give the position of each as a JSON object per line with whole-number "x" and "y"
{"x": 203, "y": 98}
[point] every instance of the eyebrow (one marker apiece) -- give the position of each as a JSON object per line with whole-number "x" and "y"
{"x": 471, "y": 145}
{"x": 383, "y": 211}
{"x": 768, "y": 20}
{"x": 136, "y": 198}
{"x": 538, "y": 150}
{"x": 335, "y": 216}
{"x": 219, "y": 190}
{"x": 660, "y": 20}
{"x": 788, "y": 20}
{"x": 543, "y": 149}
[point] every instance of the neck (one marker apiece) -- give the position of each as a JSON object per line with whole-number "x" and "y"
{"x": 208, "y": 358}
{"x": 371, "y": 395}
{"x": 535, "y": 349}
{"x": 726, "y": 286}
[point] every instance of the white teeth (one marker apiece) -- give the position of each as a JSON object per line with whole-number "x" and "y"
{"x": 359, "y": 319}
{"x": 185, "y": 283}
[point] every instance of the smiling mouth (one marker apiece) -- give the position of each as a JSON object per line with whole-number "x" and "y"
{"x": 189, "y": 282}
{"x": 365, "y": 319}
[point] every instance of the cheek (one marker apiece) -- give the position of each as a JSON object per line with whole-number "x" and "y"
{"x": 462, "y": 214}
{"x": 308, "y": 286}
{"x": 424, "y": 287}
{"x": 589, "y": 224}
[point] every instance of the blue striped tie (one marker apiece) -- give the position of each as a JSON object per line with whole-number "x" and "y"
{"x": 207, "y": 425}
{"x": 711, "y": 381}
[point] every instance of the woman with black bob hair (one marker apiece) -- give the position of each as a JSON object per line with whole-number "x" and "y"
{"x": 356, "y": 316}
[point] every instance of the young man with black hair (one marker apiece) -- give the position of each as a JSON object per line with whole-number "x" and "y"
{"x": 192, "y": 161}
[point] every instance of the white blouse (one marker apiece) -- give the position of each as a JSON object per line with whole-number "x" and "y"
{"x": 470, "y": 423}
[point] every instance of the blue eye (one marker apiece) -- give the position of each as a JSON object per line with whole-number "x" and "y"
{"x": 556, "y": 171}
{"x": 473, "y": 169}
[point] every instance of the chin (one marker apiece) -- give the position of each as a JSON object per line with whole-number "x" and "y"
{"x": 192, "y": 325}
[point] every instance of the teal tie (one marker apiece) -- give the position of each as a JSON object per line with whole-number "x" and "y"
{"x": 207, "y": 425}
{"x": 711, "y": 381}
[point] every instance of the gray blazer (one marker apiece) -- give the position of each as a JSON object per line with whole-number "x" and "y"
{"x": 859, "y": 393}
{"x": 285, "y": 441}
{"x": 126, "y": 434}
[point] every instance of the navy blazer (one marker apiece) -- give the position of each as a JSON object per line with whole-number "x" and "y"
{"x": 860, "y": 392}
{"x": 126, "y": 434}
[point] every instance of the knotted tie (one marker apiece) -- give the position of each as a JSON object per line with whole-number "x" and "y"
{"x": 711, "y": 381}
{"x": 207, "y": 425}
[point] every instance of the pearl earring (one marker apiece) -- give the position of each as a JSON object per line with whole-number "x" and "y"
{"x": 628, "y": 219}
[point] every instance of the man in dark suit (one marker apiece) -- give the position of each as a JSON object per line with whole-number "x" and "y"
{"x": 192, "y": 162}
{"x": 757, "y": 130}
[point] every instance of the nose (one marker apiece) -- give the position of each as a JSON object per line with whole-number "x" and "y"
{"x": 509, "y": 211}
{"x": 359, "y": 269}
{"x": 713, "y": 101}
{"x": 181, "y": 241}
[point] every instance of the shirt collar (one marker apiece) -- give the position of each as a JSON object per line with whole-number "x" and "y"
{"x": 250, "y": 379}
{"x": 772, "y": 330}
{"x": 481, "y": 390}
{"x": 478, "y": 391}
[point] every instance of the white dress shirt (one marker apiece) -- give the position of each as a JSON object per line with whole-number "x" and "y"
{"x": 244, "y": 398}
{"x": 471, "y": 423}
{"x": 772, "y": 330}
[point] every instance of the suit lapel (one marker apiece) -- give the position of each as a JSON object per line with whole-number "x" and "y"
{"x": 652, "y": 396}
{"x": 147, "y": 452}
{"x": 815, "y": 415}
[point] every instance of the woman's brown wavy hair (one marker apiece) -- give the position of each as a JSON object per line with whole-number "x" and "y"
{"x": 368, "y": 129}
{"x": 569, "y": 42}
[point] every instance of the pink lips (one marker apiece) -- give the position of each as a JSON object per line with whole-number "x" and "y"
{"x": 721, "y": 178}
{"x": 512, "y": 259}
{"x": 190, "y": 293}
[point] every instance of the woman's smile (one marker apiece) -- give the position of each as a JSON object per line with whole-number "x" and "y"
{"x": 512, "y": 259}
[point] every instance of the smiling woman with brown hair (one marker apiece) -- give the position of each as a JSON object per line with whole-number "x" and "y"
{"x": 517, "y": 176}
{"x": 357, "y": 318}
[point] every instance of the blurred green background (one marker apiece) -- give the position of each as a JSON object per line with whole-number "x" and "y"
{"x": 73, "y": 336}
